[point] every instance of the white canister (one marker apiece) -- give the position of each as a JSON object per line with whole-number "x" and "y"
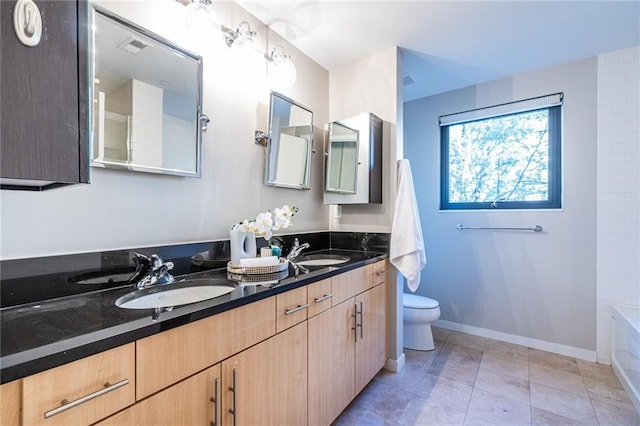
{"x": 243, "y": 245}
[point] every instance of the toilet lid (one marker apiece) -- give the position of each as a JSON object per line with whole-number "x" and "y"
{"x": 418, "y": 302}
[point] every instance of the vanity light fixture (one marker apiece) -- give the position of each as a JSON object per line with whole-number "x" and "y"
{"x": 200, "y": 14}
{"x": 201, "y": 18}
{"x": 242, "y": 38}
{"x": 282, "y": 72}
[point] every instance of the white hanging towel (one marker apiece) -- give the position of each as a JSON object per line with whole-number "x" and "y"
{"x": 406, "y": 251}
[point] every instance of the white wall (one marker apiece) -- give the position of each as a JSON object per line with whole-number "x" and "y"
{"x": 373, "y": 85}
{"x": 125, "y": 209}
{"x": 370, "y": 85}
{"x": 538, "y": 287}
{"x": 618, "y": 265}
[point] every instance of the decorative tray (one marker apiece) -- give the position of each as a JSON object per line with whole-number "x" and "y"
{"x": 239, "y": 269}
{"x": 258, "y": 279}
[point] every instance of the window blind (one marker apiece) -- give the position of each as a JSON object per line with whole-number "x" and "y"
{"x": 502, "y": 109}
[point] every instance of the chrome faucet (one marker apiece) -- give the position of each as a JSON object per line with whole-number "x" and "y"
{"x": 157, "y": 272}
{"x": 297, "y": 249}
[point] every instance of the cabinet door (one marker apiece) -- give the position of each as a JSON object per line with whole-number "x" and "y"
{"x": 190, "y": 402}
{"x": 331, "y": 362}
{"x": 266, "y": 384}
{"x": 371, "y": 334}
{"x": 43, "y": 96}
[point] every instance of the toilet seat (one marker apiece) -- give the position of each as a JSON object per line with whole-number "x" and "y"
{"x": 413, "y": 301}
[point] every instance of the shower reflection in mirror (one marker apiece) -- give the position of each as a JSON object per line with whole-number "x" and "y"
{"x": 290, "y": 144}
{"x": 342, "y": 159}
{"x": 147, "y": 100}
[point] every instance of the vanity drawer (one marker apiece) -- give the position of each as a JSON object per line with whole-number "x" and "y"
{"x": 380, "y": 271}
{"x": 81, "y": 392}
{"x": 348, "y": 284}
{"x": 319, "y": 295}
{"x": 168, "y": 357}
{"x": 291, "y": 308}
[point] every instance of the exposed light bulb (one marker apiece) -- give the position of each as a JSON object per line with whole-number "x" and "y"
{"x": 244, "y": 38}
{"x": 202, "y": 20}
{"x": 282, "y": 72}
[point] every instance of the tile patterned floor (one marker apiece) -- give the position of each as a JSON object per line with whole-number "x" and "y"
{"x": 469, "y": 380}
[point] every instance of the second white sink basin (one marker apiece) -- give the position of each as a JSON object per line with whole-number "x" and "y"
{"x": 321, "y": 260}
{"x": 176, "y": 294}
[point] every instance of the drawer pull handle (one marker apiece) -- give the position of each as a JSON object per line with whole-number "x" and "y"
{"x": 381, "y": 273}
{"x": 321, "y": 298}
{"x": 296, "y": 309}
{"x": 108, "y": 387}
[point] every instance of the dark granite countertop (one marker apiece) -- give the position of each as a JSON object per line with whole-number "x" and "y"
{"x": 41, "y": 335}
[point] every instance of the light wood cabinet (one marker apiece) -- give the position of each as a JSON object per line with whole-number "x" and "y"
{"x": 193, "y": 401}
{"x": 81, "y": 392}
{"x": 348, "y": 284}
{"x": 319, "y": 297}
{"x": 266, "y": 384}
{"x": 168, "y": 357}
{"x": 380, "y": 271}
{"x": 371, "y": 333}
{"x": 331, "y": 363}
{"x": 291, "y": 308}
{"x": 347, "y": 343}
{"x": 297, "y": 358}
{"x": 11, "y": 403}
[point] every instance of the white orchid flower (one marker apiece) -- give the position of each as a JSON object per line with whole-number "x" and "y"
{"x": 265, "y": 223}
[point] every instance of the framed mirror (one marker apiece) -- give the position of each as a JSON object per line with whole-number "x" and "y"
{"x": 290, "y": 144}
{"x": 147, "y": 100}
{"x": 341, "y": 174}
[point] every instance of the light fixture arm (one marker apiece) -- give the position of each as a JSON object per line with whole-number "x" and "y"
{"x": 275, "y": 54}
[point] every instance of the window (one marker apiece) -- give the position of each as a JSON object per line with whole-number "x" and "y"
{"x": 502, "y": 157}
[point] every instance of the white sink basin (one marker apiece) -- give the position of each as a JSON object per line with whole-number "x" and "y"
{"x": 176, "y": 294}
{"x": 321, "y": 260}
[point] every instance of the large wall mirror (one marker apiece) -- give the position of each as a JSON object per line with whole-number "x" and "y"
{"x": 341, "y": 172}
{"x": 147, "y": 100}
{"x": 290, "y": 143}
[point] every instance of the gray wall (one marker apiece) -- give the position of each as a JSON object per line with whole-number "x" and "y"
{"x": 537, "y": 286}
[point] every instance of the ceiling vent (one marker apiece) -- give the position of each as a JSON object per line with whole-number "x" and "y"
{"x": 133, "y": 45}
{"x": 407, "y": 80}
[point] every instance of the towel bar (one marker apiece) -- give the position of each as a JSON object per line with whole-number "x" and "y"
{"x": 536, "y": 228}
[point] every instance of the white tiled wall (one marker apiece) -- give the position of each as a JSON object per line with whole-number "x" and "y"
{"x": 618, "y": 190}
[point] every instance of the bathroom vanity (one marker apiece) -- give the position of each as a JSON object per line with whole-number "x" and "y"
{"x": 291, "y": 351}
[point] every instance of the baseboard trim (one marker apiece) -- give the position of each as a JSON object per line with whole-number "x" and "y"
{"x": 394, "y": 365}
{"x": 542, "y": 345}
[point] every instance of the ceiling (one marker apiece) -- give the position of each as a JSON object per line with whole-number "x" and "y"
{"x": 452, "y": 44}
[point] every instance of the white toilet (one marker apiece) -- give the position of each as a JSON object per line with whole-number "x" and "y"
{"x": 418, "y": 313}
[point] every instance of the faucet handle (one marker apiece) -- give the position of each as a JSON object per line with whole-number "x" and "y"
{"x": 141, "y": 259}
